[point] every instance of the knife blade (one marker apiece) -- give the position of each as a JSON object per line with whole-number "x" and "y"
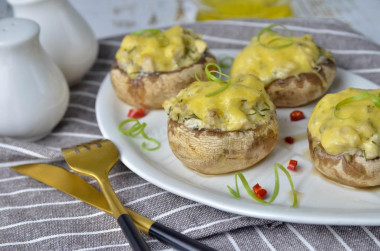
{"x": 73, "y": 185}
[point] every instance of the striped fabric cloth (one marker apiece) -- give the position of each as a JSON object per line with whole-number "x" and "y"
{"x": 34, "y": 216}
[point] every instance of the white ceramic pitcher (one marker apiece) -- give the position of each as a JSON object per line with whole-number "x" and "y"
{"x": 34, "y": 94}
{"x": 65, "y": 35}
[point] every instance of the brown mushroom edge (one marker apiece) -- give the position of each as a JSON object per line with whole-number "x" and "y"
{"x": 303, "y": 89}
{"x": 213, "y": 152}
{"x": 152, "y": 89}
{"x": 351, "y": 170}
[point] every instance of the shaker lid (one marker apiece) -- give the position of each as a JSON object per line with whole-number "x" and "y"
{"x": 15, "y": 31}
{"x": 21, "y": 2}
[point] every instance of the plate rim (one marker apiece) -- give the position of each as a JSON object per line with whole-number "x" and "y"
{"x": 294, "y": 215}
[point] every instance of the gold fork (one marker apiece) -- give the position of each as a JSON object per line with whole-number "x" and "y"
{"x": 95, "y": 159}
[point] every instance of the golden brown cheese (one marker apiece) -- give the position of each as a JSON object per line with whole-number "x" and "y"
{"x": 243, "y": 105}
{"x": 269, "y": 64}
{"x": 159, "y": 51}
{"x": 353, "y": 129}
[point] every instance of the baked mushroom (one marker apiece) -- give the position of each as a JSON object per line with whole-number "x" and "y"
{"x": 153, "y": 65}
{"x": 294, "y": 69}
{"x": 217, "y": 127}
{"x": 344, "y": 137}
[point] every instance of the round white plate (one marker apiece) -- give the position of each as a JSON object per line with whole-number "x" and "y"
{"x": 320, "y": 201}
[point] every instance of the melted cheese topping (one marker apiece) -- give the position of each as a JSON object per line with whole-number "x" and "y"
{"x": 166, "y": 51}
{"x": 269, "y": 64}
{"x": 354, "y": 130}
{"x": 243, "y": 105}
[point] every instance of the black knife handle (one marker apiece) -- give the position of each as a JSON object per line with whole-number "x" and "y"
{"x": 176, "y": 239}
{"x": 130, "y": 231}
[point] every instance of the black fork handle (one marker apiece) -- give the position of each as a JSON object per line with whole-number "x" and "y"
{"x": 176, "y": 239}
{"x": 130, "y": 231}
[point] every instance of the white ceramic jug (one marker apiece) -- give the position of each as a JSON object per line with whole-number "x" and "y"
{"x": 65, "y": 35}
{"x": 34, "y": 94}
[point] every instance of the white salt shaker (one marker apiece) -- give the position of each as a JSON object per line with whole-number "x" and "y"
{"x": 65, "y": 35}
{"x": 34, "y": 94}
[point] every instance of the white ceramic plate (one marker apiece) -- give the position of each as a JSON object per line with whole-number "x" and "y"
{"x": 320, "y": 200}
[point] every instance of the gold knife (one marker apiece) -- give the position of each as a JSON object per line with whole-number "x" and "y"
{"x": 73, "y": 185}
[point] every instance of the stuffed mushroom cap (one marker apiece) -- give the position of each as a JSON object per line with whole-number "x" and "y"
{"x": 294, "y": 70}
{"x": 344, "y": 137}
{"x": 225, "y": 132}
{"x": 153, "y": 65}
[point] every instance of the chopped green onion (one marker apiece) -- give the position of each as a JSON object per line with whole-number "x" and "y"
{"x": 192, "y": 116}
{"x": 219, "y": 90}
{"x": 153, "y": 33}
{"x": 211, "y": 77}
{"x": 196, "y": 75}
{"x": 276, "y": 189}
{"x": 137, "y": 129}
{"x": 375, "y": 100}
{"x": 129, "y": 131}
{"x": 149, "y": 139}
{"x": 247, "y": 188}
{"x": 288, "y": 41}
{"x": 236, "y": 193}
{"x": 170, "y": 110}
{"x": 163, "y": 39}
{"x": 295, "y": 201}
{"x": 147, "y": 32}
{"x": 218, "y": 79}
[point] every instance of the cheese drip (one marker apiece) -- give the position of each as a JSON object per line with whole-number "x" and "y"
{"x": 243, "y": 105}
{"x": 268, "y": 64}
{"x": 170, "y": 50}
{"x": 355, "y": 127}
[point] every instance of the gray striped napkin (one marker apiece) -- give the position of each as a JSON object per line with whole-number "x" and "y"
{"x": 36, "y": 217}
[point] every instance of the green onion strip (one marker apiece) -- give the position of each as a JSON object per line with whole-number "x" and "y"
{"x": 137, "y": 129}
{"x": 147, "y": 32}
{"x": 375, "y": 100}
{"x": 276, "y": 189}
{"x": 211, "y": 77}
{"x": 153, "y": 33}
{"x": 288, "y": 41}
{"x": 196, "y": 74}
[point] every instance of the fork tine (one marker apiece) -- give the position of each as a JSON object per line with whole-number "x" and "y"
{"x": 97, "y": 143}
{"x": 95, "y": 159}
{"x": 80, "y": 148}
{"x": 69, "y": 150}
{"x": 86, "y": 146}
